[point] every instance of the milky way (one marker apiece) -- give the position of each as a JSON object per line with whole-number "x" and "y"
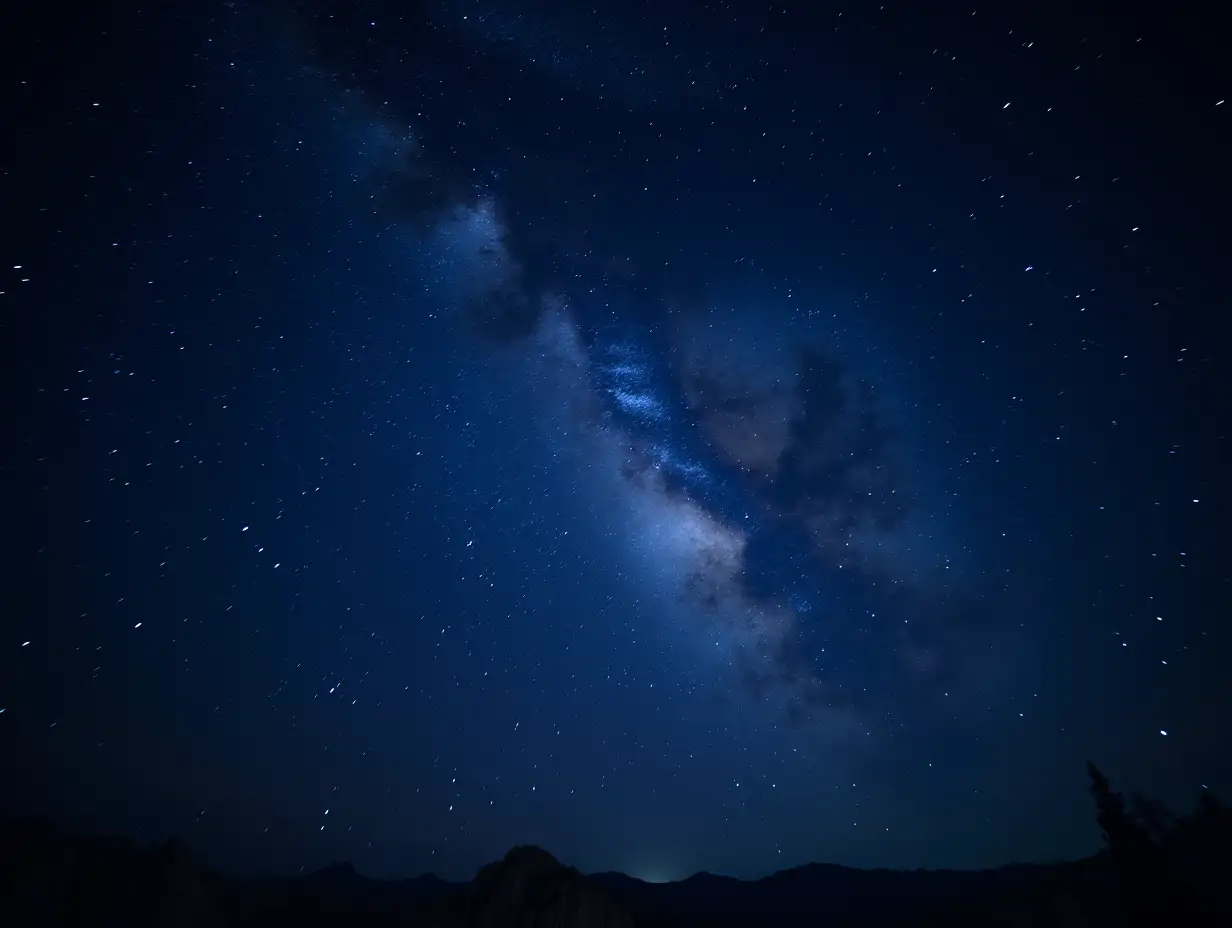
{"x": 770, "y": 496}
{"x": 761, "y": 477}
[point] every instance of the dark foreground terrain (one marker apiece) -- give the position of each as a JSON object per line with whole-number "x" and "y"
{"x": 1155, "y": 871}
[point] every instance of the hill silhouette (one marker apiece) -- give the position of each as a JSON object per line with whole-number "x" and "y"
{"x": 1156, "y": 869}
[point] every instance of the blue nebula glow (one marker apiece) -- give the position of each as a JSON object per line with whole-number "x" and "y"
{"x": 640, "y": 393}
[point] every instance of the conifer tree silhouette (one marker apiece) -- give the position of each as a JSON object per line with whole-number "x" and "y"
{"x": 1148, "y": 894}
{"x": 1132, "y": 851}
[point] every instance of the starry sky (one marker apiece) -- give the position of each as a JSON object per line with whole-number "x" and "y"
{"x": 686, "y": 436}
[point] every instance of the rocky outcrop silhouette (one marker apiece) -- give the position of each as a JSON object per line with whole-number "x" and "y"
{"x": 529, "y": 888}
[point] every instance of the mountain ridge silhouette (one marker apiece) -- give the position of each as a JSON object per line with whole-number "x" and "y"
{"x": 51, "y": 876}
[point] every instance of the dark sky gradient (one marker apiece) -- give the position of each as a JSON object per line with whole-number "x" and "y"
{"x": 682, "y": 437}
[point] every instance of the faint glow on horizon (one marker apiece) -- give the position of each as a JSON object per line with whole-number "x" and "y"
{"x": 652, "y": 875}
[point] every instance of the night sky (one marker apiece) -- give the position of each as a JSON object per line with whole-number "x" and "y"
{"x": 683, "y": 436}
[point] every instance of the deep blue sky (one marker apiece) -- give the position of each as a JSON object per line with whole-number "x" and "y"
{"x": 682, "y": 437}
